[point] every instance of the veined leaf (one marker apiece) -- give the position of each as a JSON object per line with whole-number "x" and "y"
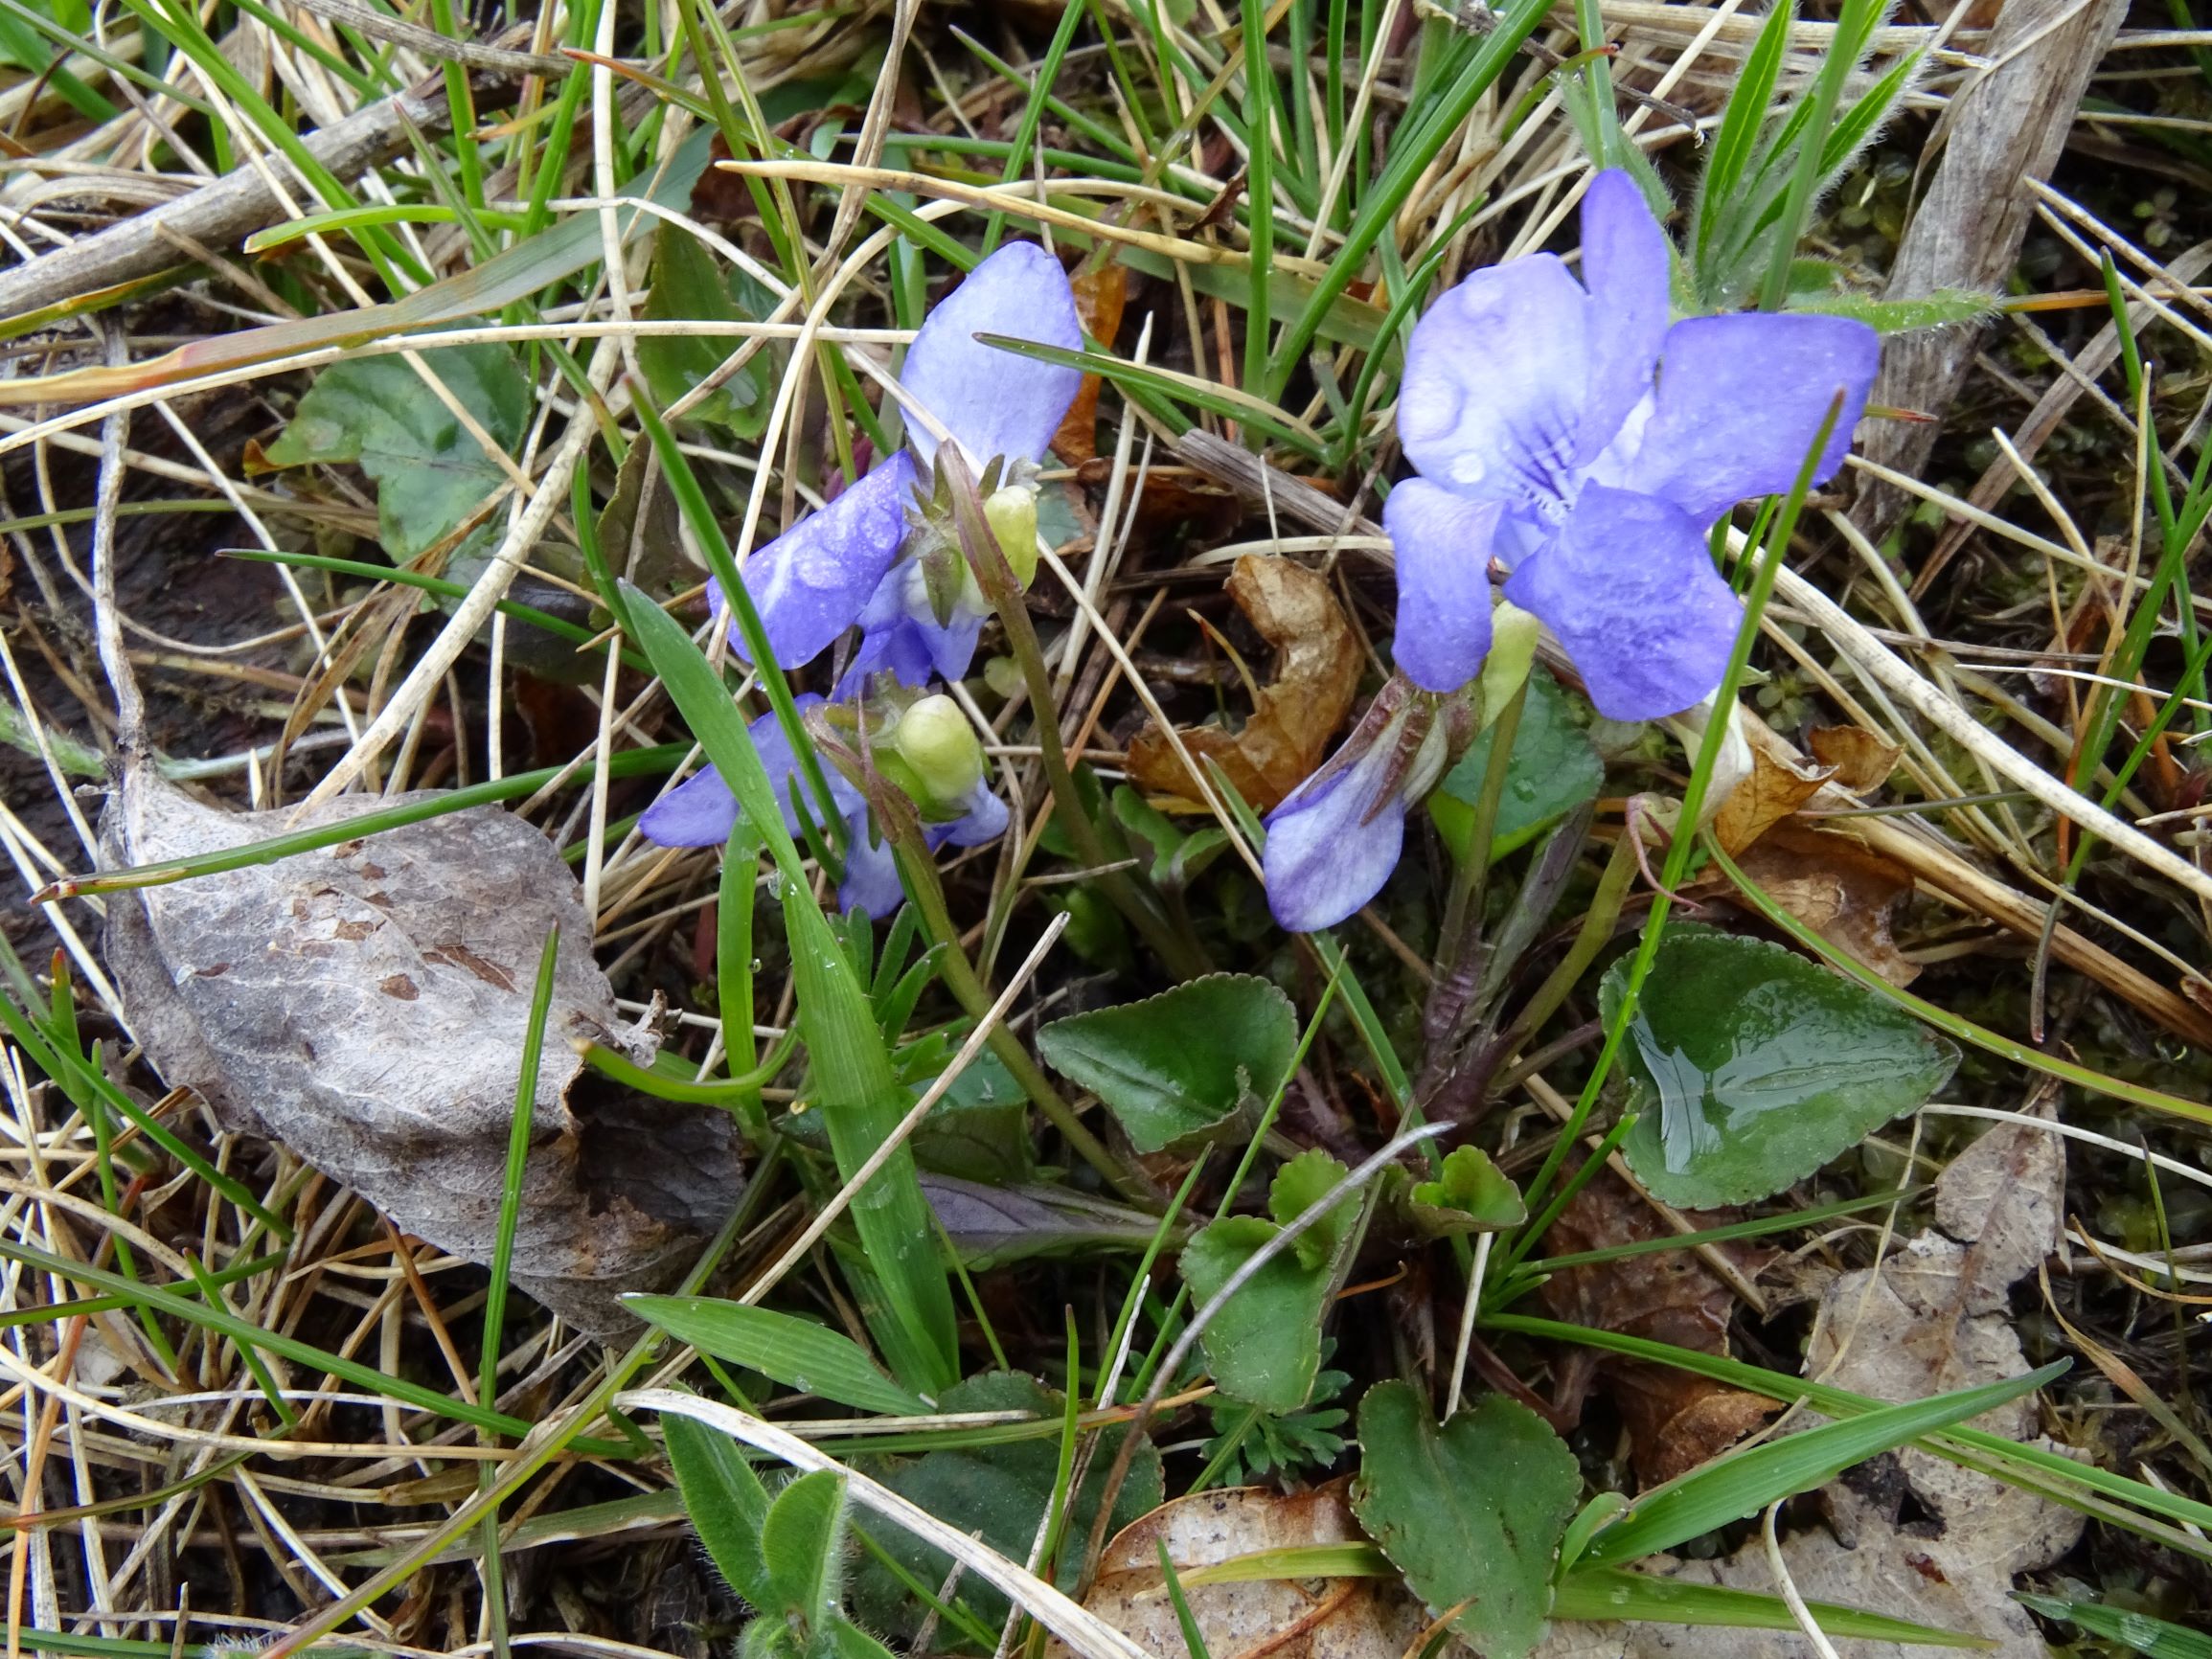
{"x": 1174, "y": 1067}
{"x": 1471, "y": 1510}
{"x": 1762, "y": 1067}
{"x": 796, "y": 1352}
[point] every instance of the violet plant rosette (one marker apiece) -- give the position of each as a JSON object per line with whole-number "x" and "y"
{"x": 941, "y": 766}
{"x": 1573, "y": 434}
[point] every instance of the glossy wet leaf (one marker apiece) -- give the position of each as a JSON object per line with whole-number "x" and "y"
{"x": 1000, "y": 1491}
{"x": 1471, "y": 1510}
{"x": 1263, "y": 1347}
{"x": 796, "y": 1352}
{"x": 1753, "y": 1067}
{"x": 431, "y": 473}
{"x": 1554, "y": 769}
{"x": 1176, "y": 1066}
{"x": 2138, "y": 1632}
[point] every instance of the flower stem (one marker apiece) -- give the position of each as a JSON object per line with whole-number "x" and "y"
{"x": 1470, "y": 876}
{"x": 995, "y": 577}
{"x": 919, "y": 870}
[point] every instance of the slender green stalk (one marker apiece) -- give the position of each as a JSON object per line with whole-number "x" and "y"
{"x": 1677, "y": 862}
{"x": 1180, "y": 953}
{"x": 919, "y": 870}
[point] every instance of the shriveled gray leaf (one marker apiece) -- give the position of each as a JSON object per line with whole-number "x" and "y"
{"x": 365, "y": 1005}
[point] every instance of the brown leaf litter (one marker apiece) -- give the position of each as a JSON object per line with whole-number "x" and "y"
{"x": 365, "y": 1004}
{"x": 1908, "y": 1534}
{"x": 1295, "y": 715}
{"x": 1675, "y": 1420}
{"x": 1330, "y": 1618}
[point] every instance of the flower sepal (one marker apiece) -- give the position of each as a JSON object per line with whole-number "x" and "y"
{"x": 1332, "y": 843}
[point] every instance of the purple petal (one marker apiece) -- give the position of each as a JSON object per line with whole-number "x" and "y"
{"x": 1741, "y": 400}
{"x": 871, "y": 873}
{"x": 984, "y": 821}
{"x": 1442, "y": 545}
{"x": 1627, "y": 269}
{"x": 811, "y": 581}
{"x": 699, "y": 812}
{"x": 993, "y": 401}
{"x": 1492, "y": 403}
{"x": 1631, "y": 590}
{"x": 1329, "y": 848}
{"x": 902, "y": 636}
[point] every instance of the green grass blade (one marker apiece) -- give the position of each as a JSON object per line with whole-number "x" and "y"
{"x": 1611, "y": 1593}
{"x": 796, "y": 1352}
{"x": 1734, "y": 1487}
{"x": 2143, "y": 1633}
{"x": 851, "y": 1081}
{"x": 1832, "y": 1401}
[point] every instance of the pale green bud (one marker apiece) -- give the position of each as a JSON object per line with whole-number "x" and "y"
{"x": 1513, "y": 639}
{"x": 935, "y": 739}
{"x": 1012, "y": 514}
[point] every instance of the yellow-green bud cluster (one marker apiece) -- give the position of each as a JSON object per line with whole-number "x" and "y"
{"x": 931, "y": 754}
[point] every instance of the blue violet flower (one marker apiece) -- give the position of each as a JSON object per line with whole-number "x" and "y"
{"x": 1567, "y": 432}
{"x": 868, "y": 557}
{"x": 931, "y": 752}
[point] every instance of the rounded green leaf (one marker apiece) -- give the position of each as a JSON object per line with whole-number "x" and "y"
{"x": 1471, "y": 1510}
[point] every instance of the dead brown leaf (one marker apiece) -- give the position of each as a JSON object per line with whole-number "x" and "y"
{"x": 1675, "y": 1420}
{"x": 366, "y": 1006}
{"x": 1101, "y": 290}
{"x": 1860, "y": 759}
{"x": 1295, "y": 715}
{"x": 1838, "y": 886}
{"x": 1777, "y": 786}
{"x": 1279, "y": 1618}
{"x": 1936, "y": 1316}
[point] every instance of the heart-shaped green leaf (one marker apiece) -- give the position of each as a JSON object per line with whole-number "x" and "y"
{"x": 1174, "y": 1067}
{"x": 430, "y": 470}
{"x": 1471, "y": 1510}
{"x": 1753, "y": 1067}
{"x": 1554, "y": 769}
{"x": 1473, "y": 1196}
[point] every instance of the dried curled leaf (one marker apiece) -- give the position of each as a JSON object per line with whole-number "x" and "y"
{"x": 1777, "y": 786}
{"x": 1860, "y": 759}
{"x": 1841, "y": 889}
{"x": 366, "y": 1006}
{"x": 1675, "y": 1420}
{"x": 1284, "y": 1618}
{"x": 1293, "y": 716}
